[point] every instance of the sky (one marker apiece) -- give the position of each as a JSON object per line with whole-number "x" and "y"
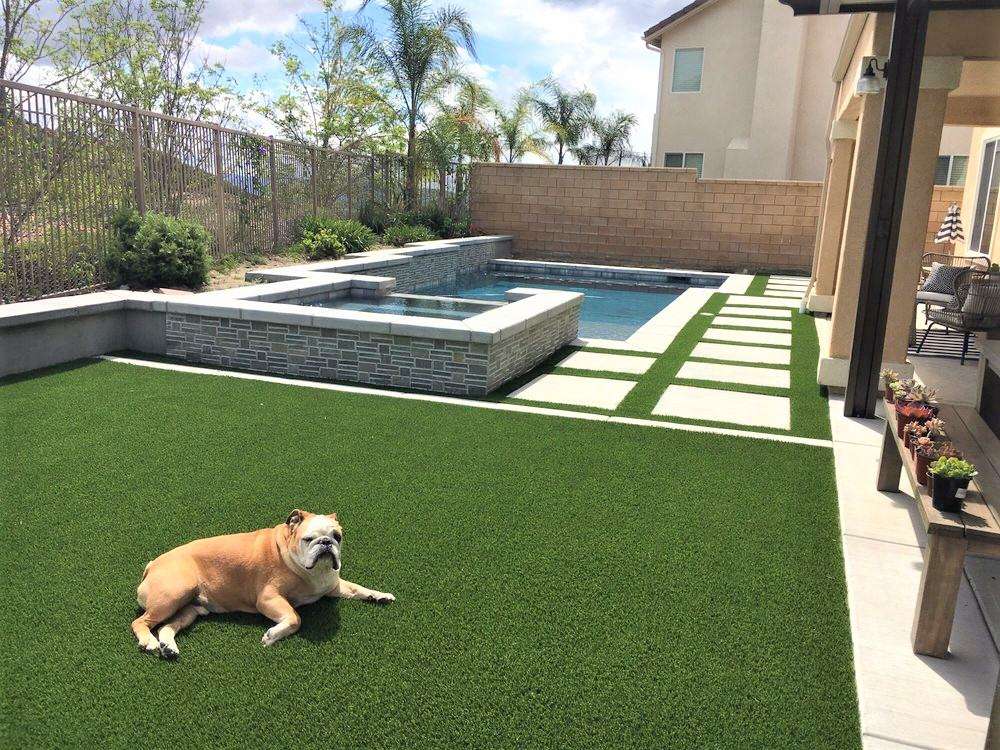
{"x": 584, "y": 43}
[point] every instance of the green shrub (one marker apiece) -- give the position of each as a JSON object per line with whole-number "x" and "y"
{"x": 375, "y": 216}
{"x": 400, "y": 234}
{"x": 156, "y": 250}
{"x": 441, "y": 223}
{"x": 322, "y": 244}
{"x": 353, "y": 235}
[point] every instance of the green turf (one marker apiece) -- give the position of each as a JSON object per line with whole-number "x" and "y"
{"x": 560, "y": 583}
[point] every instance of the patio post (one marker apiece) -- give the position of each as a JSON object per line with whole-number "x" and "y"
{"x": 842, "y": 137}
{"x": 909, "y": 33}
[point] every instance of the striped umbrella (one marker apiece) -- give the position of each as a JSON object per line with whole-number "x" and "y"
{"x": 951, "y": 227}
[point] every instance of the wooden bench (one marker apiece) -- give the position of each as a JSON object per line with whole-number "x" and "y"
{"x": 950, "y": 536}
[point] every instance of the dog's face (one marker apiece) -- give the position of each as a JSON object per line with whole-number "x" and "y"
{"x": 315, "y": 540}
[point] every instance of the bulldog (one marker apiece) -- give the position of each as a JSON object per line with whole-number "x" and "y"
{"x": 270, "y": 571}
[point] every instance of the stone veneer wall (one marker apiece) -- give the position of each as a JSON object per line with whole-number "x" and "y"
{"x": 424, "y": 271}
{"x": 638, "y": 216}
{"x": 442, "y": 366}
{"x": 941, "y": 199}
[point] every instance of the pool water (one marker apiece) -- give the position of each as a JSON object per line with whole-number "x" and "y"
{"x": 609, "y": 311}
{"x": 391, "y": 305}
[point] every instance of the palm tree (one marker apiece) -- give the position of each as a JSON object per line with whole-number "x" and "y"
{"x": 565, "y": 115}
{"x": 440, "y": 146}
{"x": 418, "y": 55}
{"x": 611, "y": 135}
{"x": 517, "y": 133}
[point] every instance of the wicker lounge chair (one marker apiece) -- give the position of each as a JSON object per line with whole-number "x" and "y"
{"x": 979, "y": 262}
{"x": 975, "y": 307}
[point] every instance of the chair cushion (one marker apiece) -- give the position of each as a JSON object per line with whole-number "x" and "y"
{"x": 941, "y": 279}
{"x": 934, "y": 297}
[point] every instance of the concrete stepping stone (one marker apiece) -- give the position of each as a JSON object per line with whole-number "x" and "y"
{"x": 772, "y": 313}
{"x": 763, "y": 376}
{"x": 786, "y": 285}
{"x": 573, "y": 390}
{"x": 710, "y": 404}
{"x": 739, "y": 353}
{"x": 748, "y": 337}
{"x": 792, "y": 279}
{"x": 607, "y": 362}
{"x": 741, "y": 322}
{"x": 742, "y": 300}
{"x": 783, "y": 294}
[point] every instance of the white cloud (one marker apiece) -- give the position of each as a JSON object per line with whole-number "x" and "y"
{"x": 245, "y": 56}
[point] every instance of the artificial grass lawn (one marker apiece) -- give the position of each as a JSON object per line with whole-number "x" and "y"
{"x": 560, "y": 583}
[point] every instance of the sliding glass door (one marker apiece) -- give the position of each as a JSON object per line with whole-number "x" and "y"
{"x": 986, "y": 199}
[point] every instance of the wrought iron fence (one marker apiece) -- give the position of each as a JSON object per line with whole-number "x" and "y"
{"x": 69, "y": 163}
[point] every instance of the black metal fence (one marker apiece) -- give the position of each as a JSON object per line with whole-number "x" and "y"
{"x": 68, "y": 163}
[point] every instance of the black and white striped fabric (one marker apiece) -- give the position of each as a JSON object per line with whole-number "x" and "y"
{"x": 951, "y": 227}
{"x": 943, "y": 344}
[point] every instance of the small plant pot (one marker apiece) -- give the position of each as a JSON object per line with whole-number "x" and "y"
{"x": 889, "y": 396}
{"x": 921, "y": 464}
{"x": 947, "y": 493}
{"x": 901, "y": 422}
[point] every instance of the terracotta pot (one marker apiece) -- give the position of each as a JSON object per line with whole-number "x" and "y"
{"x": 901, "y": 422}
{"x": 922, "y": 462}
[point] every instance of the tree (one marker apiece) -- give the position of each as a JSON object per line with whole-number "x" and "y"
{"x": 516, "y": 131}
{"x": 331, "y": 98}
{"x": 565, "y": 115}
{"x": 158, "y": 70}
{"x": 68, "y": 37}
{"x": 418, "y": 55}
{"x": 612, "y": 135}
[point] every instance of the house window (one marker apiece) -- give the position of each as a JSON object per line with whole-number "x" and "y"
{"x": 686, "y": 160}
{"x": 951, "y": 170}
{"x": 687, "y": 70}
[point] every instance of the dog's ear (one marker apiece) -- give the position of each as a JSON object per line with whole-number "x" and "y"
{"x": 294, "y": 518}
{"x": 333, "y": 517}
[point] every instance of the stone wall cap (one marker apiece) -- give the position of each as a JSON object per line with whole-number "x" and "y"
{"x": 54, "y": 308}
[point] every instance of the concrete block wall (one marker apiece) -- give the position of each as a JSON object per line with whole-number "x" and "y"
{"x": 942, "y": 198}
{"x": 638, "y": 216}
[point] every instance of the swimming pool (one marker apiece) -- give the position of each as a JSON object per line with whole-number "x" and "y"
{"x": 610, "y": 311}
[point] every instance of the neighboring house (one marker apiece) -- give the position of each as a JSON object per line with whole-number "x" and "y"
{"x": 745, "y": 91}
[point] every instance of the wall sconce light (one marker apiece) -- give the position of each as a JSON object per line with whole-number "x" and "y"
{"x": 871, "y": 80}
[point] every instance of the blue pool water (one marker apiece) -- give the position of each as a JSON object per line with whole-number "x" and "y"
{"x": 608, "y": 312}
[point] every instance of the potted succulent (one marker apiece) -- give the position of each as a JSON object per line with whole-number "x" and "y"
{"x": 924, "y": 451}
{"x": 888, "y": 378}
{"x": 910, "y": 411}
{"x": 951, "y": 480}
{"x": 935, "y": 429}
{"x": 921, "y": 394}
{"x": 898, "y": 390}
{"x": 911, "y": 432}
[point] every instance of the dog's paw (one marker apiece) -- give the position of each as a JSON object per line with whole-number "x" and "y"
{"x": 381, "y": 597}
{"x": 168, "y": 651}
{"x": 268, "y": 639}
{"x": 150, "y": 647}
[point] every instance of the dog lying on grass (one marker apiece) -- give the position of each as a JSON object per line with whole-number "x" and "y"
{"x": 271, "y": 571}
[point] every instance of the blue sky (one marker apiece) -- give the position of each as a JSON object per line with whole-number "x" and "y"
{"x": 592, "y": 43}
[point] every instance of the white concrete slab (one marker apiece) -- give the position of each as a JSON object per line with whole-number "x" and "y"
{"x": 737, "y": 283}
{"x": 741, "y": 322}
{"x": 742, "y": 300}
{"x": 725, "y": 406}
{"x": 785, "y": 277}
{"x": 783, "y": 294}
{"x": 763, "y": 376}
{"x": 623, "y": 346}
{"x": 601, "y": 393}
{"x": 851, "y": 429}
{"x": 787, "y": 285}
{"x": 748, "y": 337}
{"x": 739, "y": 353}
{"x": 607, "y": 362}
{"x": 750, "y": 312}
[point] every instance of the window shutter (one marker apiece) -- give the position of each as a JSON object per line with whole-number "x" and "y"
{"x": 959, "y": 166}
{"x": 687, "y": 70}
{"x": 673, "y": 160}
{"x": 694, "y": 161}
{"x": 941, "y": 170}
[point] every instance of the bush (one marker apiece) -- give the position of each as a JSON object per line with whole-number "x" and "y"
{"x": 400, "y": 234}
{"x": 156, "y": 250}
{"x": 322, "y": 244}
{"x": 375, "y": 216}
{"x": 314, "y": 235}
{"x": 439, "y": 222}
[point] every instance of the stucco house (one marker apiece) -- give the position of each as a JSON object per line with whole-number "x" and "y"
{"x": 745, "y": 92}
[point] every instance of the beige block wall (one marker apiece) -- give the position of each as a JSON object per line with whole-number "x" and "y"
{"x": 647, "y": 217}
{"x": 943, "y": 197}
